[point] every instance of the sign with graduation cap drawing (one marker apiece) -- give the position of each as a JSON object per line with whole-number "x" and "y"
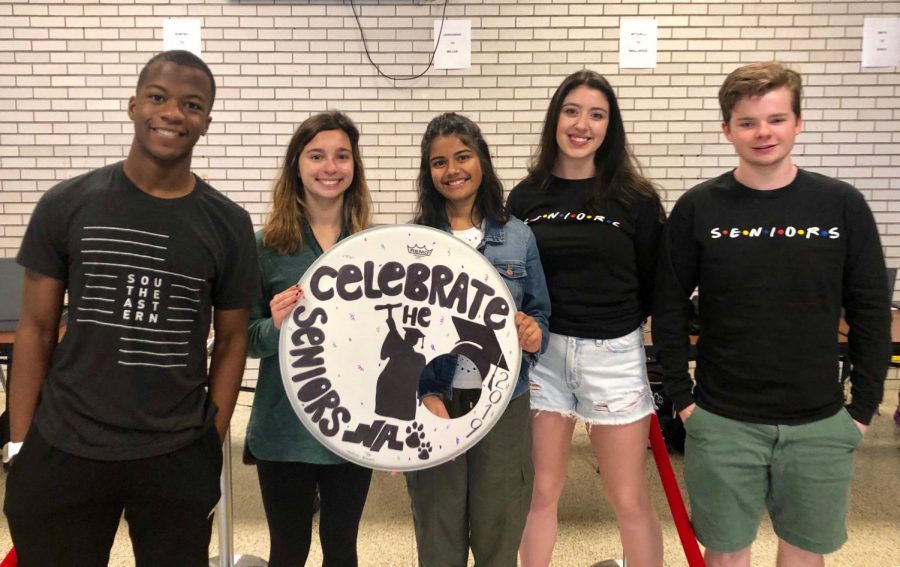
{"x": 379, "y": 311}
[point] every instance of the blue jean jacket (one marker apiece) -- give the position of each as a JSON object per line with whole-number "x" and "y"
{"x": 512, "y": 249}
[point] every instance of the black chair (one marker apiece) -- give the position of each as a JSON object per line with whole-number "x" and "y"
{"x": 11, "y": 275}
{"x": 892, "y": 282}
{"x": 846, "y": 365}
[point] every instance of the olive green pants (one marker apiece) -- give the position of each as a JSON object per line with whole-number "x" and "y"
{"x": 481, "y": 498}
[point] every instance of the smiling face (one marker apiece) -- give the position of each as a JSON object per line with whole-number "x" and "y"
{"x": 326, "y": 166}
{"x": 581, "y": 129}
{"x": 762, "y": 130}
{"x": 170, "y": 111}
{"x": 456, "y": 173}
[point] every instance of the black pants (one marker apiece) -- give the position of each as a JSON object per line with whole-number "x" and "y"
{"x": 64, "y": 510}
{"x": 288, "y": 491}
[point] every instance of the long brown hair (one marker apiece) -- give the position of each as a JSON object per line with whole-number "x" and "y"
{"x": 283, "y": 230}
{"x": 618, "y": 175}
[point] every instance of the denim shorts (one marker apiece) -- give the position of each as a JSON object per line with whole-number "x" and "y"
{"x": 603, "y": 382}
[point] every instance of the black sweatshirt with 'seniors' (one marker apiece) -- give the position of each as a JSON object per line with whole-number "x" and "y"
{"x": 600, "y": 266}
{"x": 773, "y": 268}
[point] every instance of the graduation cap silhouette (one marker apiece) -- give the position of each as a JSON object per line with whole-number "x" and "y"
{"x": 413, "y": 335}
{"x": 479, "y": 344}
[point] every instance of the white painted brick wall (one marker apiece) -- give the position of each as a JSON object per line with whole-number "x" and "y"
{"x": 67, "y": 69}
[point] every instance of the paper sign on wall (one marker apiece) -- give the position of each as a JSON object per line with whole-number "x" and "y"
{"x": 182, "y": 34}
{"x": 881, "y": 42}
{"x": 637, "y": 43}
{"x": 453, "y": 40}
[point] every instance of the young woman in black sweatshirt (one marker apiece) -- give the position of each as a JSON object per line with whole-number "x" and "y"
{"x": 597, "y": 221}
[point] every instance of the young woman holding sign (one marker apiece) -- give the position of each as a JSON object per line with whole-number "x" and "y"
{"x": 479, "y": 499}
{"x": 597, "y": 221}
{"x": 320, "y": 197}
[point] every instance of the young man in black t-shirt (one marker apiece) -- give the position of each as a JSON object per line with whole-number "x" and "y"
{"x": 776, "y": 253}
{"x": 122, "y": 414}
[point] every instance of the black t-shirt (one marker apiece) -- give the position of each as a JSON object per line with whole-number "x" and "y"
{"x": 600, "y": 267}
{"x": 142, "y": 274}
{"x": 774, "y": 268}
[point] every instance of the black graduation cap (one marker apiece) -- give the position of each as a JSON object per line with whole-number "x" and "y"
{"x": 479, "y": 344}
{"x": 413, "y": 333}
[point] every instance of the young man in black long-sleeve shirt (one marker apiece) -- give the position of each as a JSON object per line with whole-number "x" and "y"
{"x": 776, "y": 253}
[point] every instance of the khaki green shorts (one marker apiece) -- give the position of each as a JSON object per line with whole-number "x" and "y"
{"x": 800, "y": 473}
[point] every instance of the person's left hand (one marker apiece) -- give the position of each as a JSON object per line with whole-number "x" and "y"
{"x": 435, "y": 405}
{"x": 529, "y": 332}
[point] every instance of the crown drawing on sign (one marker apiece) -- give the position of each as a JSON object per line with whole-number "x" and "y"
{"x": 418, "y": 251}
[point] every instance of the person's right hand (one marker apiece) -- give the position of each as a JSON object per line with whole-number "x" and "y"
{"x": 435, "y": 405}
{"x": 283, "y": 303}
{"x": 686, "y": 412}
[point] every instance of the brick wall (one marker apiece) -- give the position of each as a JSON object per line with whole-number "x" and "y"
{"x": 67, "y": 70}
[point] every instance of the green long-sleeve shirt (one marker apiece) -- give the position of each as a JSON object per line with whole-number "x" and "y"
{"x": 275, "y": 433}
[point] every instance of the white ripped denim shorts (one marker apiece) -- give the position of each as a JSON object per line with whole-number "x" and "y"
{"x": 603, "y": 382}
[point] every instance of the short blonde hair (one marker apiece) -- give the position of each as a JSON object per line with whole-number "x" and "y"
{"x": 757, "y": 79}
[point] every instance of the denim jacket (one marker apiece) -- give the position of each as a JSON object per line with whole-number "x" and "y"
{"x": 513, "y": 250}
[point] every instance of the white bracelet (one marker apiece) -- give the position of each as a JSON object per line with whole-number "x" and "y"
{"x": 10, "y": 450}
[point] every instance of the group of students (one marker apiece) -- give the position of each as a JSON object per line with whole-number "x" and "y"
{"x": 123, "y": 420}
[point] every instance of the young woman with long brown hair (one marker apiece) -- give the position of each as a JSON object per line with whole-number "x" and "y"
{"x": 320, "y": 197}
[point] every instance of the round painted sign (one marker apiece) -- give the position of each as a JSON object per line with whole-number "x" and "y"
{"x": 377, "y": 309}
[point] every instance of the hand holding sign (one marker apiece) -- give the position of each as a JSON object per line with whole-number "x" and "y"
{"x": 529, "y": 333}
{"x": 283, "y": 303}
{"x": 376, "y": 309}
{"x": 435, "y": 405}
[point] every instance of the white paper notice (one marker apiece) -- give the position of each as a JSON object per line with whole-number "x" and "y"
{"x": 881, "y": 42}
{"x": 637, "y": 43}
{"x": 454, "y": 50}
{"x": 182, "y": 34}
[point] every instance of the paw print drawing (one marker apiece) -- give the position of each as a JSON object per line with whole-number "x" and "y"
{"x": 416, "y": 434}
{"x": 425, "y": 451}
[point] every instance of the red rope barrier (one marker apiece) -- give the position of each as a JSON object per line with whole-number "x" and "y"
{"x": 673, "y": 495}
{"x": 10, "y": 560}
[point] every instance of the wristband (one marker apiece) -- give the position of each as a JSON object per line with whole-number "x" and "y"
{"x": 10, "y": 450}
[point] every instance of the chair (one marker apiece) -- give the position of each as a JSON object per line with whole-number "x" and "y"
{"x": 11, "y": 275}
{"x": 846, "y": 365}
{"x": 891, "y": 281}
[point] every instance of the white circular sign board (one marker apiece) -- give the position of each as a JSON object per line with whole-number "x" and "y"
{"x": 376, "y": 309}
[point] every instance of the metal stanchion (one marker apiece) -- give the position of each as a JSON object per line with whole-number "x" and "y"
{"x": 227, "y": 557}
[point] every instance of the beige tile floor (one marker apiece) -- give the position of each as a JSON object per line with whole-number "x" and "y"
{"x": 587, "y": 530}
